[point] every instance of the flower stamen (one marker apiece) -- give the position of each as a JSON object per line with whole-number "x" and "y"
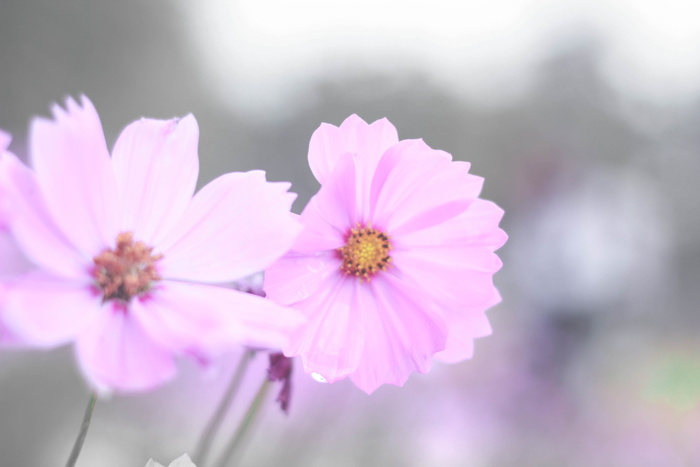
{"x": 126, "y": 271}
{"x": 366, "y": 252}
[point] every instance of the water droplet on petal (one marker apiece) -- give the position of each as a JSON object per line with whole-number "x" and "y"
{"x": 318, "y": 377}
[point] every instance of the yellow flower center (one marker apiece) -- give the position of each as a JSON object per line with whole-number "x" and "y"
{"x": 127, "y": 270}
{"x": 366, "y": 252}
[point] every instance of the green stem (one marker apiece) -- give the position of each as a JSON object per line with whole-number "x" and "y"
{"x": 78, "y": 446}
{"x": 246, "y": 423}
{"x": 205, "y": 442}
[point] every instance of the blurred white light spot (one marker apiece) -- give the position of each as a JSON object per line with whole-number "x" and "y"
{"x": 318, "y": 377}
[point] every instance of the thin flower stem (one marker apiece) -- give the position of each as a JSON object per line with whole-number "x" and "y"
{"x": 205, "y": 442}
{"x": 78, "y": 446}
{"x": 246, "y": 423}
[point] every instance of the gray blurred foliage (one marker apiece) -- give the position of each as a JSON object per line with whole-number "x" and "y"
{"x": 564, "y": 380}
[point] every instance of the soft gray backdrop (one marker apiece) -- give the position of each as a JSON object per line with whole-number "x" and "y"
{"x": 594, "y": 360}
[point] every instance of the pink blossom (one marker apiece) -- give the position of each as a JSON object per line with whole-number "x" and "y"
{"x": 395, "y": 263}
{"x": 12, "y": 261}
{"x": 125, "y": 255}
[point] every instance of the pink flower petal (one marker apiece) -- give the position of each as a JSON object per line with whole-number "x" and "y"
{"x": 319, "y": 233}
{"x": 173, "y": 315}
{"x": 39, "y": 238}
{"x": 353, "y": 136}
{"x": 116, "y": 353}
{"x": 416, "y": 187}
{"x": 8, "y": 338}
{"x": 451, "y": 256}
{"x": 75, "y": 176}
{"x": 13, "y": 260}
{"x": 465, "y": 325}
{"x": 454, "y": 260}
{"x": 401, "y": 333}
{"x": 295, "y": 276}
{"x": 177, "y": 315}
{"x": 156, "y": 166}
{"x": 449, "y": 281}
{"x": 331, "y": 212}
{"x": 235, "y": 226}
{"x": 332, "y": 340}
{"x": 477, "y": 227}
{"x": 254, "y": 321}
{"x": 5, "y": 140}
{"x": 48, "y": 310}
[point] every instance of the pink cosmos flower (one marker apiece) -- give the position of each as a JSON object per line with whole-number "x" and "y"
{"x": 125, "y": 253}
{"x": 395, "y": 262}
{"x": 12, "y": 261}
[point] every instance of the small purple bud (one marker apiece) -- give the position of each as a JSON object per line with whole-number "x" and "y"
{"x": 281, "y": 370}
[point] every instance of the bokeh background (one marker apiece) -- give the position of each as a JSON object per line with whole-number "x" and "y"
{"x": 583, "y": 117}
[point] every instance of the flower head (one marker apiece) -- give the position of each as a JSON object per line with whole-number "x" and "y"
{"x": 396, "y": 260}
{"x": 13, "y": 262}
{"x": 125, "y": 252}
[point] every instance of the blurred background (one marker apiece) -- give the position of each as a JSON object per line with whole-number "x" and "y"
{"x": 582, "y": 116}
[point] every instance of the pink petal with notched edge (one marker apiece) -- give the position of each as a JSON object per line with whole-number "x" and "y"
{"x": 319, "y": 234}
{"x": 456, "y": 257}
{"x": 477, "y": 226}
{"x": 296, "y": 276}
{"x": 366, "y": 143}
{"x": 74, "y": 173}
{"x": 402, "y": 332}
{"x": 465, "y": 325}
{"x": 444, "y": 278}
{"x": 459, "y": 280}
{"x": 207, "y": 319}
{"x": 257, "y": 322}
{"x": 156, "y": 167}
{"x": 353, "y": 136}
{"x": 201, "y": 318}
{"x": 116, "y": 353}
{"x": 32, "y": 226}
{"x": 328, "y": 216}
{"x": 235, "y": 226}
{"x": 48, "y": 310}
{"x": 416, "y": 187}
{"x": 332, "y": 340}
{"x": 174, "y": 317}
